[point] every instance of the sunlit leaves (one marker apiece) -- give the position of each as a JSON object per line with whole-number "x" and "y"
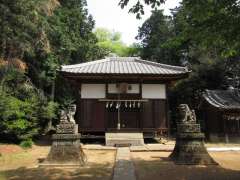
{"x": 138, "y": 7}
{"x": 112, "y": 44}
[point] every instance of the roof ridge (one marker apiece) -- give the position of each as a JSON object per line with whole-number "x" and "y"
{"x": 123, "y": 58}
{"x": 83, "y": 64}
{"x": 163, "y": 65}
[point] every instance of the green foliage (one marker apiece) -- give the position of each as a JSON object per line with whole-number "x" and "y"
{"x": 71, "y": 39}
{"x": 18, "y": 19}
{"x": 138, "y": 7}
{"x": 156, "y": 36}
{"x": 212, "y": 24}
{"x": 23, "y": 110}
{"x": 26, "y": 144}
{"x": 15, "y": 117}
{"x": 111, "y": 43}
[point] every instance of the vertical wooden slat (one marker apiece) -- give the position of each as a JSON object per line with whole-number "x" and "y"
{"x": 147, "y": 115}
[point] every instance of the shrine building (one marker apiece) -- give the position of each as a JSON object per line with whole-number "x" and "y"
{"x": 221, "y": 114}
{"x": 122, "y": 96}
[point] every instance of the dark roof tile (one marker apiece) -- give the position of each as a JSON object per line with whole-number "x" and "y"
{"x": 123, "y": 65}
{"x": 223, "y": 99}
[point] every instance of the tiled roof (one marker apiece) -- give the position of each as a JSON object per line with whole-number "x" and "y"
{"x": 223, "y": 99}
{"x": 124, "y": 65}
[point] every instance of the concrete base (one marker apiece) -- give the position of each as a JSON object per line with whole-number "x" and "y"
{"x": 124, "y": 139}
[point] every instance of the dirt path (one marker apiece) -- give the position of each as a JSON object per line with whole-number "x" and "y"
{"x": 157, "y": 166}
{"x": 22, "y": 165}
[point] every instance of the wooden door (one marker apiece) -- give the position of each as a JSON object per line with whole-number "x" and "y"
{"x": 129, "y": 118}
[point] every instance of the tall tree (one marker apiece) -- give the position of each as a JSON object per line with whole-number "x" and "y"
{"x": 18, "y": 27}
{"x": 155, "y": 34}
{"x": 111, "y": 43}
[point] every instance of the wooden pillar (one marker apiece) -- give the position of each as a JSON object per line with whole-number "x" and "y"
{"x": 225, "y": 129}
{"x": 167, "y": 112}
{"x": 118, "y": 113}
{"x": 238, "y": 127}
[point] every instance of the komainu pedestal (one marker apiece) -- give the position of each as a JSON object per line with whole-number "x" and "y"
{"x": 66, "y": 148}
{"x": 189, "y": 148}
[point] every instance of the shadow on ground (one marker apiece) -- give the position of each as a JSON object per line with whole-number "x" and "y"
{"x": 91, "y": 172}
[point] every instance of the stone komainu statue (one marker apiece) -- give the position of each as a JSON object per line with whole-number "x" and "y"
{"x": 189, "y": 148}
{"x": 68, "y": 114}
{"x": 66, "y": 149}
{"x": 187, "y": 115}
{"x": 71, "y": 113}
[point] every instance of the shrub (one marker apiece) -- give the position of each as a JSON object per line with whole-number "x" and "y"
{"x": 24, "y": 111}
{"x": 26, "y": 144}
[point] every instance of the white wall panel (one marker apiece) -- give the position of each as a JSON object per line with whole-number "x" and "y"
{"x": 93, "y": 91}
{"x": 154, "y": 91}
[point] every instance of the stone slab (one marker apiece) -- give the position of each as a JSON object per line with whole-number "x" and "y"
{"x": 131, "y": 139}
{"x": 98, "y": 147}
{"x": 124, "y": 168}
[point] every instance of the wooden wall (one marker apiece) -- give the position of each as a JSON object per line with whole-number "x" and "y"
{"x": 92, "y": 115}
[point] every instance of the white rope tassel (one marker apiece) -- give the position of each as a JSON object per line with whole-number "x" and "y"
{"x": 133, "y": 104}
{"x": 130, "y": 105}
{"x": 117, "y": 105}
{"x": 107, "y": 104}
{"x": 126, "y": 104}
{"x": 111, "y": 104}
{"x": 139, "y": 104}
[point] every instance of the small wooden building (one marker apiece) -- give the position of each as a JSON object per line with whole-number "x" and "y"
{"x": 124, "y": 94}
{"x": 221, "y": 113}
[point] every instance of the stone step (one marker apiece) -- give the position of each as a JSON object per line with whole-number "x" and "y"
{"x": 124, "y": 139}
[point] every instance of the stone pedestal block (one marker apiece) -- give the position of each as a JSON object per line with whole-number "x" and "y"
{"x": 190, "y": 150}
